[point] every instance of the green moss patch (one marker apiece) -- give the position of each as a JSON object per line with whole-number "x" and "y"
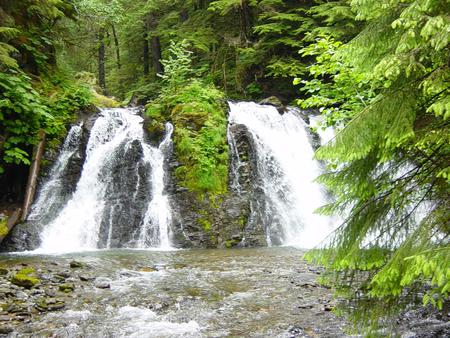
{"x": 26, "y": 278}
{"x": 3, "y": 227}
{"x": 198, "y": 114}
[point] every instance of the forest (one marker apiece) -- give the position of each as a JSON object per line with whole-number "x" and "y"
{"x": 374, "y": 71}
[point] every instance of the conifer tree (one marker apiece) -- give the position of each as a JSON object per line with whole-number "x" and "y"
{"x": 389, "y": 162}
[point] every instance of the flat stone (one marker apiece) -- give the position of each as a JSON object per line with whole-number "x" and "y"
{"x": 86, "y": 278}
{"x": 4, "y": 318}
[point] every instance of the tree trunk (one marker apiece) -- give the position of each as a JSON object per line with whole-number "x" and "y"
{"x": 146, "y": 50}
{"x": 155, "y": 44}
{"x": 157, "y": 55}
{"x": 34, "y": 174}
{"x": 101, "y": 60}
{"x": 116, "y": 44}
{"x": 245, "y": 22}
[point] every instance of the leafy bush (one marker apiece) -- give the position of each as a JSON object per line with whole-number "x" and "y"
{"x": 26, "y": 108}
{"x": 197, "y": 112}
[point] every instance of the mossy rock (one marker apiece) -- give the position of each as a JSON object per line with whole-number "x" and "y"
{"x": 49, "y": 304}
{"x": 66, "y": 287}
{"x": 230, "y": 243}
{"x": 75, "y": 265}
{"x": 3, "y": 227}
{"x": 26, "y": 278}
{"x": 104, "y": 101}
{"x": 205, "y": 224}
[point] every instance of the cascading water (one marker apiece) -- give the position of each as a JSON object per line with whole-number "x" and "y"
{"x": 52, "y": 194}
{"x": 285, "y": 172}
{"x": 119, "y": 200}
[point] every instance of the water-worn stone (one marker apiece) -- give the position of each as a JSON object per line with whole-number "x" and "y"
{"x": 6, "y": 329}
{"x": 75, "y": 264}
{"x": 49, "y": 304}
{"x": 102, "y": 283}
{"x": 25, "y": 277}
{"x": 274, "y": 101}
{"x": 66, "y": 287}
{"x": 86, "y": 278}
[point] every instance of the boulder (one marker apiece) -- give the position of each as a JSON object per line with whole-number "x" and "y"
{"x": 26, "y": 278}
{"x": 274, "y": 101}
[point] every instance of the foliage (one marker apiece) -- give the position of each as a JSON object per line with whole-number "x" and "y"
{"x": 333, "y": 87}
{"x": 389, "y": 162}
{"x": 26, "y": 108}
{"x": 22, "y": 114}
{"x": 196, "y": 110}
{"x": 177, "y": 67}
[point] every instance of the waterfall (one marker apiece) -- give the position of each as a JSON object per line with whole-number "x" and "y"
{"x": 119, "y": 200}
{"x": 286, "y": 172}
{"x": 158, "y": 211}
{"x": 52, "y": 194}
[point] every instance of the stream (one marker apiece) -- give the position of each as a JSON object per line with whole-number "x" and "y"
{"x": 264, "y": 292}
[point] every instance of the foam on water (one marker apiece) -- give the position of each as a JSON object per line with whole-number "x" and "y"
{"x": 286, "y": 172}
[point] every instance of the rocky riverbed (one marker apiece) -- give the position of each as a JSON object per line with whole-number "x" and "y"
{"x": 267, "y": 292}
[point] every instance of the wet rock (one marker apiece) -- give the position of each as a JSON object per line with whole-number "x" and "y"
{"x": 17, "y": 307}
{"x": 86, "y": 278}
{"x": 148, "y": 269}
{"x": 76, "y": 265}
{"x": 274, "y": 101}
{"x": 4, "y": 318}
{"x": 25, "y": 278}
{"x": 295, "y": 332}
{"x": 21, "y": 295}
{"x": 66, "y": 287}
{"x": 6, "y": 329}
{"x": 49, "y": 304}
{"x": 65, "y": 274}
{"x": 102, "y": 283}
{"x": 50, "y": 292}
{"x": 179, "y": 266}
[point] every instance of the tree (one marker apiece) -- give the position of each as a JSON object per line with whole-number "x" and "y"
{"x": 389, "y": 162}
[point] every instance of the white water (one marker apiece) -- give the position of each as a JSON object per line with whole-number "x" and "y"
{"x": 77, "y": 226}
{"x": 50, "y": 191}
{"x": 287, "y": 171}
{"x": 158, "y": 211}
{"x": 326, "y": 134}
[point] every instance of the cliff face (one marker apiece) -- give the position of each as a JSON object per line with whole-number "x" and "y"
{"x": 225, "y": 221}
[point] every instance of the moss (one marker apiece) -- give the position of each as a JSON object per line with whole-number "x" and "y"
{"x": 104, "y": 101}
{"x": 3, "y": 227}
{"x": 66, "y": 287}
{"x": 205, "y": 224}
{"x": 200, "y": 136}
{"x": 26, "y": 278}
{"x": 231, "y": 243}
